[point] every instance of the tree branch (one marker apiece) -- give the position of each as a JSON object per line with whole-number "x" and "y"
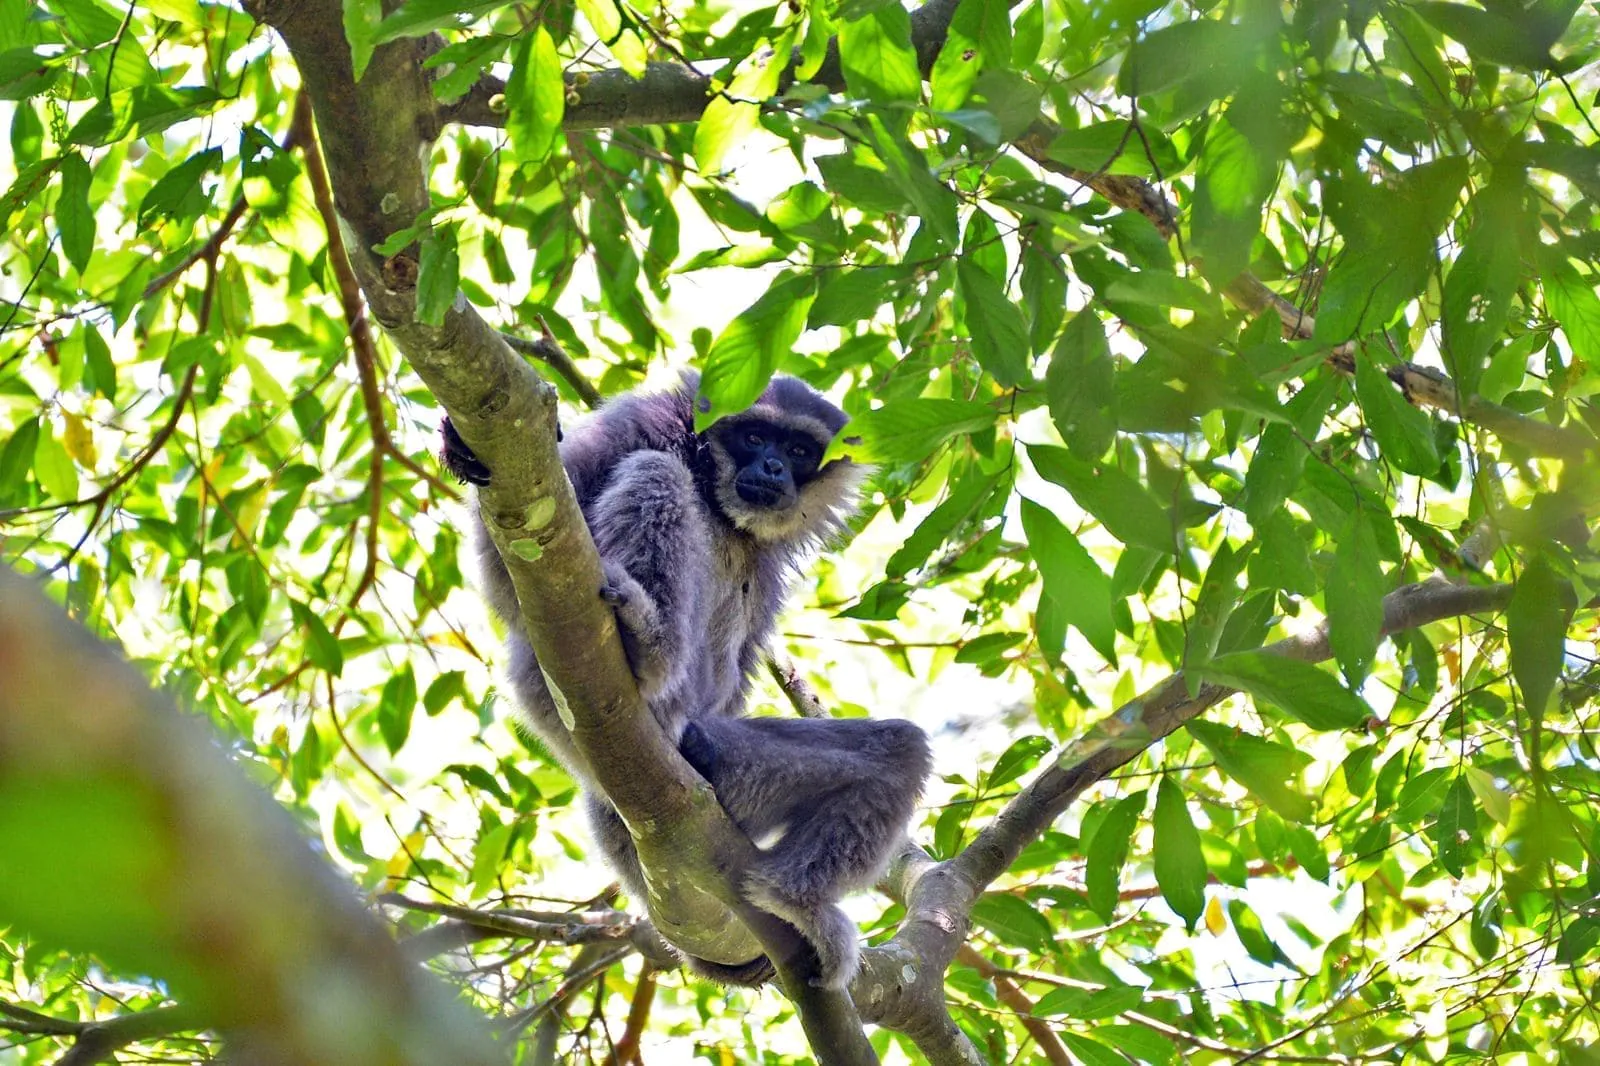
{"x": 1424, "y": 386}
{"x": 372, "y": 138}
{"x": 1124, "y": 735}
{"x": 103, "y": 782}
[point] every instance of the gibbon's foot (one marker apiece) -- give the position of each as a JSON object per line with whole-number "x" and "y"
{"x": 698, "y": 750}
{"x": 459, "y": 459}
{"x": 639, "y": 625}
{"x": 753, "y": 974}
{"x": 829, "y": 931}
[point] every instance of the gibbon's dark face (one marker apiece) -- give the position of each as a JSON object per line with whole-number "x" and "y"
{"x": 771, "y": 462}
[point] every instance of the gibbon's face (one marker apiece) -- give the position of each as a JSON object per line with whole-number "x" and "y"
{"x": 771, "y": 462}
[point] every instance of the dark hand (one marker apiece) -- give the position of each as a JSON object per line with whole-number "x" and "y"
{"x": 459, "y": 459}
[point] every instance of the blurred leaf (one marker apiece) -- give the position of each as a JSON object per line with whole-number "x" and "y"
{"x": 1536, "y": 627}
{"x": 396, "y": 704}
{"x": 1354, "y": 599}
{"x": 1265, "y": 768}
{"x": 1489, "y": 35}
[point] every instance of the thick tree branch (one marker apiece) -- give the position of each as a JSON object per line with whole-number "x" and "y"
{"x": 373, "y": 134}
{"x": 103, "y": 783}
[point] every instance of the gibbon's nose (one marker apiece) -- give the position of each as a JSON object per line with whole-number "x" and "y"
{"x": 773, "y": 465}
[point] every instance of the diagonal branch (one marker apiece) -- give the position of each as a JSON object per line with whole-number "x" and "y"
{"x": 88, "y": 750}
{"x": 1127, "y": 733}
{"x": 373, "y": 133}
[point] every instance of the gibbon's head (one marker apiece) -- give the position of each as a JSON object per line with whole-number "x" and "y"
{"x": 768, "y": 475}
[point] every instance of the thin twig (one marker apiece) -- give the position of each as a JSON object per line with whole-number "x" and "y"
{"x": 547, "y": 351}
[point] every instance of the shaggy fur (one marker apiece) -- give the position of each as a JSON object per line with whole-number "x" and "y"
{"x": 697, "y": 576}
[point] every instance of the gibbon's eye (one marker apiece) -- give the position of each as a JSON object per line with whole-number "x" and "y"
{"x": 753, "y": 439}
{"x": 802, "y": 451}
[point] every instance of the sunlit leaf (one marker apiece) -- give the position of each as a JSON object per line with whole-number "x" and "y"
{"x": 1179, "y": 864}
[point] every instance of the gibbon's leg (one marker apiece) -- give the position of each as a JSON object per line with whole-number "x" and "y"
{"x": 840, "y": 792}
{"x": 650, "y": 529}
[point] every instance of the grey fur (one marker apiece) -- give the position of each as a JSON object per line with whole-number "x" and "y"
{"x": 698, "y": 577}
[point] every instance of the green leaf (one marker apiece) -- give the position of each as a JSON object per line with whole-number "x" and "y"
{"x": 1404, "y": 433}
{"x": 1080, "y": 387}
{"x": 1303, "y": 691}
{"x": 1219, "y": 595}
{"x": 733, "y": 114}
{"x": 1257, "y": 944}
{"x": 438, "y": 275}
{"x": 878, "y": 60}
{"x": 418, "y": 18}
{"x": 1180, "y": 865}
{"x": 1073, "y": 580}
{"x": 1571, "y": 299}
{"x": 1421, "y": 795}
{"x": 1482, "y": 281}
{"x": 1140, "y": 1043}
{"x": 444, "y": 690}
{"x": 1089, "y": 1004}
{"x": 1454, "y": 827}
{"x": 53, "y": 468}
{"x": 1013, "y": 921}
{"x": 907, "y": 169}
{"x": 1118, "y": 501}
{"x": 347, "y": 835}
{"x": 1108, "y": 851}
{"x": 745, "y": 354}
{"x": 908, "y": 430}
{"x": 1091, "y": 1052}
{"x": 322, "y": 647}
{"x": 1489, "y": 35}
{"x": 1238, "y": 169}
{"x": 1262, "y": 767}
{"x": 178, "y": 195}
{"x": 999, "y": 332}
{"x": 396, "y": 704}
{"x": 16, "y": 458}
{"x": 1205, "y": 50}
{"x": 1536, "y": 627}
{"x": 74, "y": 216}
{"x": 1354, "y": 599}
{"x": 1017, "y": 760}
{"x": 536, "y": 96}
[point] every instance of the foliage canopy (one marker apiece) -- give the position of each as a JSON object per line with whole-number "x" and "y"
{"x": 1197, "y": 345}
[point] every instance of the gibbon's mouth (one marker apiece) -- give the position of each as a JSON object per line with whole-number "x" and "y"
{"x": 759, "y": 492}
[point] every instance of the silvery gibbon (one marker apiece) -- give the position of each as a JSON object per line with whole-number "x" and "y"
{"x": 700, "y": 535}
